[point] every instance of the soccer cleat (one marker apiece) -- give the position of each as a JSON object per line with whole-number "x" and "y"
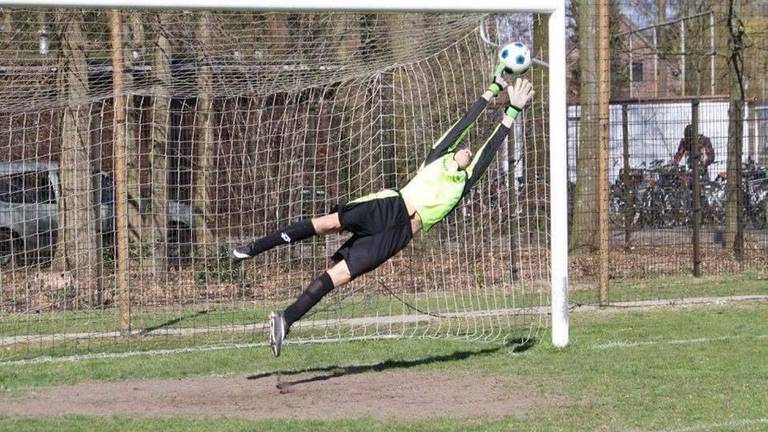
{"x": 240, "y": 253}
{"x": 276, "y": 331}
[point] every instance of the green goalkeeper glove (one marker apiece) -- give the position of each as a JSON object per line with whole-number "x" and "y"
{"x": 500, "y": 69}
{"x": 498, "y": 85}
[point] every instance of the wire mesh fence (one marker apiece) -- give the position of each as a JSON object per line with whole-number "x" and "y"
{"x": 651, "y": 209}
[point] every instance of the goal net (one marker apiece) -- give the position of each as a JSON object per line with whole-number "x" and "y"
{"x": 237, "y": 123}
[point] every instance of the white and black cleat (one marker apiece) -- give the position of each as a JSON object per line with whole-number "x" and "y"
{"x": 240, "y": 253}
{"x": 276, "y": 331}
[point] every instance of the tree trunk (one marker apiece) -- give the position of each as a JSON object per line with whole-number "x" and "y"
{"x": 278, "y": 37}
{"x": 697, "y": 41}
{"x": 278, "y": 44}
{"x": 122, "y": 292}
{"x": 603, "y": 140}
{"x": 584, "y": 225}
{"x": 77, "y": 250}
{"x": 346, "y": 38}
{"x": 159, "y": 118}
{"x": 402, "y": 49}
{"x": 203, "y": 146}
{"x": 132, "y": 26}
{"x": 661, "y": 47}
{"x": 536, "y": 151}
{"x": 734, "y": 225}
{"x": 7, "y": 27}
{"x": 402, "y": 27}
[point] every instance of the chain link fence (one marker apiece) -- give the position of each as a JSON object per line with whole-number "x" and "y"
{"x": 687, "y": 154}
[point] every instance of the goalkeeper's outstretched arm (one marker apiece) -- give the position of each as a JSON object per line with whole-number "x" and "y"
{"x": 456, "y": 133}
{"x": 519, "y": 95}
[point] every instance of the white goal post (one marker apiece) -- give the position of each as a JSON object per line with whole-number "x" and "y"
{"x": 557, "y": 90}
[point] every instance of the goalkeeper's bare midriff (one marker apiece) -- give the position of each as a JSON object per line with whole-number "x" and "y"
{"x": 414, "y": 215}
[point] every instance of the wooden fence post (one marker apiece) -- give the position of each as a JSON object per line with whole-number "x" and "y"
{"x": 121, "y": 178}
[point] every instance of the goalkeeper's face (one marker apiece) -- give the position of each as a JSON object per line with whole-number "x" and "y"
{"x": 463, "y": 157}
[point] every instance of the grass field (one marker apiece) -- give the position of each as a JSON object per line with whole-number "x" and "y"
{"x": 240, "y": 313}
{"x": 698, "y": 368}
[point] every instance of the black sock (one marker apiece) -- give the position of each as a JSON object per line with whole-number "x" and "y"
{"x": 292, "y": 233}
{"x": 314, "y": 292}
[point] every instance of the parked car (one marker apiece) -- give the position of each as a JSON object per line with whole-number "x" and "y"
{"x": 29, "y": 213}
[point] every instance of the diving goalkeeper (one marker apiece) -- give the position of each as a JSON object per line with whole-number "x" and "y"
{"x": 383, "y": 223}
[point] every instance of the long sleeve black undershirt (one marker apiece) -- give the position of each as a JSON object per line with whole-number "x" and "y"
{"x": 456, "y": 133}
{"x": 484, "y": 157}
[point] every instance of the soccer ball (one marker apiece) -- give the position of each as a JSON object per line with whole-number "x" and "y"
{"x": 516, "y": 58}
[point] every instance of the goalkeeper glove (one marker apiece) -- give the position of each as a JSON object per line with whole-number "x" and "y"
{"x": 520, "y": 94}
{"x": 498, "y": 85}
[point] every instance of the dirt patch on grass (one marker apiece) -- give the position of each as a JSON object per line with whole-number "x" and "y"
{"x": 382, "y": 395}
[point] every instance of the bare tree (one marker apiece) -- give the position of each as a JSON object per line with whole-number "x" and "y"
{"x": 662, "y": 45}
{"x": 132, "y": 27}
{"x": 204, "y": 141}
{"x": 279, "y": 45}
{"x": 77, "y": 250}
{"x": 535, "y": 154}
{"x": 346, "y": 37}
{"x": 697, "y": 42}
{"x": 584, "y": 226}
{"x": 159, "y": 118}
{"x": 7, "y": 27}
{"x": 402, "y": 43}
{"x": 401, "y": 48}
{"x": 278, "y": 34}
{"x": 734, "y": 225}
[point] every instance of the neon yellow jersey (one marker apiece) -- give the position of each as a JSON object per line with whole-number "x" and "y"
{"x": 439, "y": 184}
{"x": 436, "y": 190}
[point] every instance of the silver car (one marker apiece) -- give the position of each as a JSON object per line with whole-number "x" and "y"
{"x": 29, "y": 195}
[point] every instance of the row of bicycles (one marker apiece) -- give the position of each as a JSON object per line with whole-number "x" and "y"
{"x": 660, "y": 195}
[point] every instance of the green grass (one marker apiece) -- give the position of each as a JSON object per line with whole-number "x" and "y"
{"x": 663, "y": 369}
{"x": 211, "y": 315}
{"x": 676, "y": 287}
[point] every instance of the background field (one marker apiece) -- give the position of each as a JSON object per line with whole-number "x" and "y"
{"x": 696, "y": 368}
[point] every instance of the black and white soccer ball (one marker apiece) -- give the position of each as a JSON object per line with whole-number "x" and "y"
{"x": 516, "y": 58}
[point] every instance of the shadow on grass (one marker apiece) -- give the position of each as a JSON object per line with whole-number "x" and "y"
{"x": 513, "y": 345}
{"x": 169, "y": 323}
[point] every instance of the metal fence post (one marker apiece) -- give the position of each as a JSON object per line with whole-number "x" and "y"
{"x": 629, "y": 200}
{"x": 696, "y": 188}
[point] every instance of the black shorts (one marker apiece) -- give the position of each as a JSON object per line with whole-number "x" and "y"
{"x": 380, "y": 227}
